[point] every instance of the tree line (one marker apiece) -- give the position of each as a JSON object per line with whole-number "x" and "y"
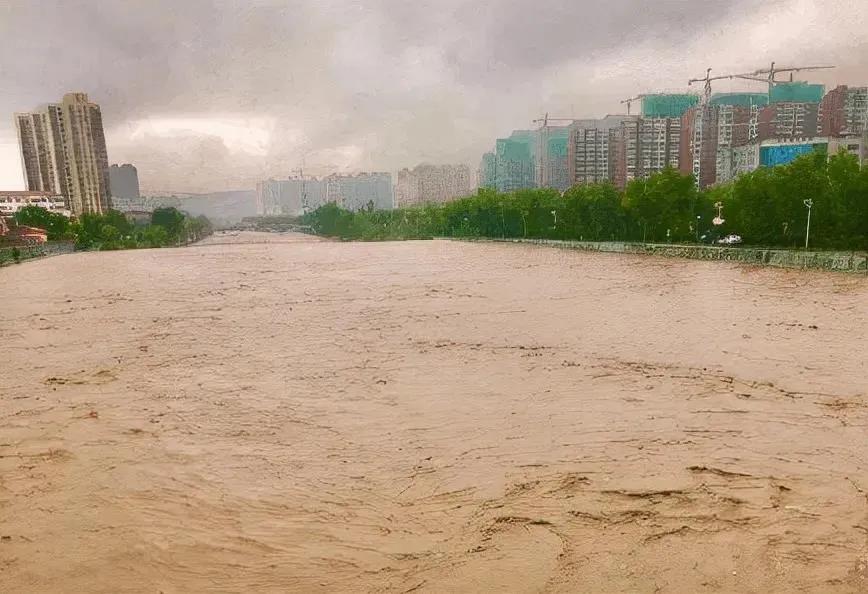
{"x": 112, "y": 230}
{"x": 765, "y": 207}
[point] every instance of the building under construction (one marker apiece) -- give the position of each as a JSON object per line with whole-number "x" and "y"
{"x": 844, "y": 112}
{"x": 515, "y": 161}
{"x": 591, "y": 149}
{"x": 667, "y": 105}
{"x": 553, "y": 170}
{"x": 645, "y": 146}
{"x": 360, "y": 191}
{"x": 292, "y": 197}
{"x": 710, "y": 132}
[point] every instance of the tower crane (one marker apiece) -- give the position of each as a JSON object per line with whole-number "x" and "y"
{"x": 707, "y": 80}
{"x": 771, "y": 73}
{"x": 546, "y": 119}
{"x": 542, "y": 177}
{"x": 630, "y": 101}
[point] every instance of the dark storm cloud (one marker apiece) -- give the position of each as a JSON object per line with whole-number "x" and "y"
{"x": 377, "y": 84}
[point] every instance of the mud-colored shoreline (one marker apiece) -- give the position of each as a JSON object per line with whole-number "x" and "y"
{"x": 281, "y": 414}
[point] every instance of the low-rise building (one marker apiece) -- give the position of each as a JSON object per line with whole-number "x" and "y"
{"x": 768, "y": 153}
{"x": 853, "y": 145}
{"x": 13, "y": 201}
{"x": 22, "y": 235}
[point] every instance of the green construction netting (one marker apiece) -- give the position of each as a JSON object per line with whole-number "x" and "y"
{"x": 740, "y": 99}
{"x": 798, "y": 92}
{"x": 667, "y": 105}
{"x": 557, "y": 147}
{"x": 514, "y": 149}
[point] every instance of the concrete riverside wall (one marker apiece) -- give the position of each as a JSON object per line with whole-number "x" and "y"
{"x": 28, "y": 252}
{"x": 838, "y": 261}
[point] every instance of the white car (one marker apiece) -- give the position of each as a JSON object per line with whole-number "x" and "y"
{"x": 730, "y": 240}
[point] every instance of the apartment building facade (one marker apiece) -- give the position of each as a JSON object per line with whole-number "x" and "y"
{"x": 426, "y": 184}
{"x": 63, "y": 150}
{"x": 591, "y": 150}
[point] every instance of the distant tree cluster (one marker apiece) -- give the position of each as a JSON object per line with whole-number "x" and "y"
{"x": 112, "y": 230}
{"x": 765, "y": 207}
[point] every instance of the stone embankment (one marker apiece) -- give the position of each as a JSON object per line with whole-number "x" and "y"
{"x": 13, "y": 255}
{"x": 827, "y": 260}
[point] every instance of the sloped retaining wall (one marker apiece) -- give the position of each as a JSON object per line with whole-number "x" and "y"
{"x": 838, "y": 261}
{"x": 28, "y": 252}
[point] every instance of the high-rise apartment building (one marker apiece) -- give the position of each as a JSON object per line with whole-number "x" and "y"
{"x": 40, "y": 139}
{"x": 709, "y": 133}
{"x": 515, "y": 161}
{"x": 486, "y": 176}
{"x": 737, "y": 126}
{"x": 63, "y": 150}
{"x": 124, "y": 182}
{"x": 591, "y": 150}
{"x": 426, "y": 184}
{"x": 360, "y": 191}
{"x": 699, "y": 140}
{"x": 292, "y": 197}
{"x": 844, "y": 112}
{"x": 785, "y": 120}
{"x": 645, "y": 146}
{"x": 552, "y": 151}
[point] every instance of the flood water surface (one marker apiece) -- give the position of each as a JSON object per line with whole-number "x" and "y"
{"x": 282, "y": 414}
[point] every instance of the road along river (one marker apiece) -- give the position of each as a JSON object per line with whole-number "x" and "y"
{"x": 283, "y": 414}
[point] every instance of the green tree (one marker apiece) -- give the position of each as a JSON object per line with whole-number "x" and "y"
{"x": 169, "y": 218}
{"x": 765, "y": 206}
{"x": 153, "y": 236}
{"x": 57, "y": 225}
{"x": 664, "y": 205}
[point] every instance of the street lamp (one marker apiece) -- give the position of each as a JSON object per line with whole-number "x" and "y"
{"x": 555, "y": 214}
{"x": 697, "y": 227}
{"x": 809, "y": 203}
{"x": 718, "y": 220}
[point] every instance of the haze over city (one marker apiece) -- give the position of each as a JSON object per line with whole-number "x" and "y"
{"x": 207, "y": 96}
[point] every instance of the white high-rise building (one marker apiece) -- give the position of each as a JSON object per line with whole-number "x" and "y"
{"x": 361, "y": 191}
{"x": 426, "y": 184}
{"x": 294, "y": 196}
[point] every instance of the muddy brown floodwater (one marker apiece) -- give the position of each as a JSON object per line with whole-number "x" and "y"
{"x": 281, "y": 414}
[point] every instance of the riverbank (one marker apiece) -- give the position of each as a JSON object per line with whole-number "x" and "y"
{"x": 856, "y": 262}
{"x": 15, "y": 254}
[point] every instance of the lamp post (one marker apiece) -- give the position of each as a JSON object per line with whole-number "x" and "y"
{"x": 809, "y": 203}
{"x": 697, "y": 227}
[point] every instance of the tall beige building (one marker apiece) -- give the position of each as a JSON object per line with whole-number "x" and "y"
{"x": 63, "y": 150}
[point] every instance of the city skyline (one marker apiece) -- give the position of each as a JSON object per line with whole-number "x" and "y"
{"x": 379, "y": 91}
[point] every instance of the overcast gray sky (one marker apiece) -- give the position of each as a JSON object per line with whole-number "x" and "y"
{"x": 205, "y": 95}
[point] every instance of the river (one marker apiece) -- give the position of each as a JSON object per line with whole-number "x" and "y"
{"x": 278, "y": 413}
